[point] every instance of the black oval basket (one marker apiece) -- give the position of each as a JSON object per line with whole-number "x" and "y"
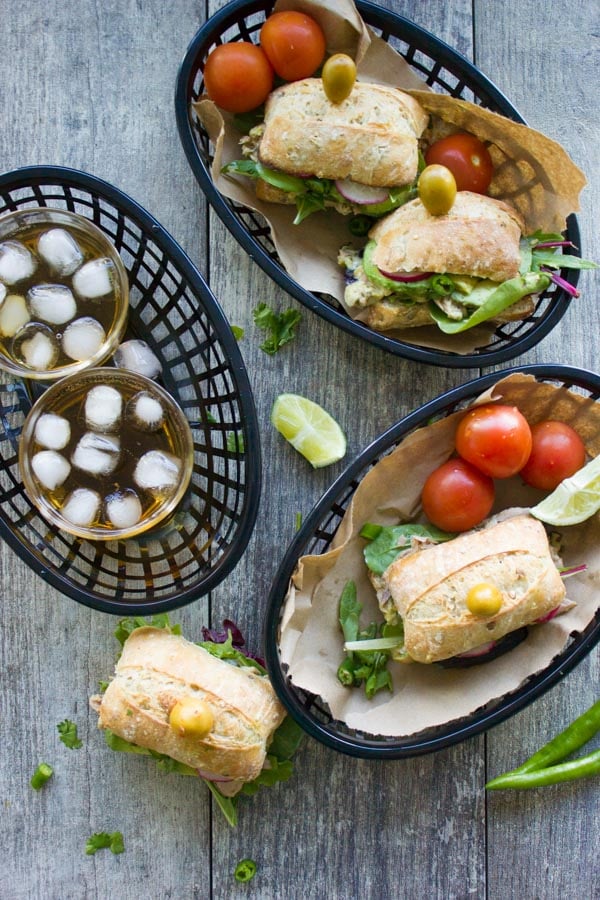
{"x": 315, "y": 537}
{"x": 172, "y": 309}
{"x": 444, "y": 70}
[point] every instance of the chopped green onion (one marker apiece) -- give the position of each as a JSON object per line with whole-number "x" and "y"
{"x": 370, "y": 531}
{"x": 41, "y": 776}
{"x": 245, "y": 870}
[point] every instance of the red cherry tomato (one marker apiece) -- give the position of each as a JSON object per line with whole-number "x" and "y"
{"x": 457, "y": 496}
{"x": 494, "y": 438}
{"x": 294, "y": 44}
{"x": 467, "y": 158}
{"x": 238, "y": 77}
{"x": 557, "y": 452}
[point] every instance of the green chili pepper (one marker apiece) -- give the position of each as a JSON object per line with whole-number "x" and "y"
{"x": 41, "y": 776}
{"x": 583, "y": 767}
{"x": 245, "y": 870}
{"x": 572, "y": 738}
{"x": 547, "y": 765}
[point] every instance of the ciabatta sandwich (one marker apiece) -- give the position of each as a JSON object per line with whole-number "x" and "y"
{"x": 427, "y": 588}
{"x": 456, "y": 270}
{"x": 360, "y": 155}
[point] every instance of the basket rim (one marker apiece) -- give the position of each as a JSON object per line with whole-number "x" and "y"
{"x": 392, "y": 21}
{"x": 50, "y": 174}
{"x": 479, "y": 721}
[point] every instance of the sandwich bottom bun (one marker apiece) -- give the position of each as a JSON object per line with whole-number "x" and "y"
{"x": 156, "y": 671}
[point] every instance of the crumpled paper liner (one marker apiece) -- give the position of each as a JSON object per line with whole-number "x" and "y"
{"x": 532, "y": 172}
{"x": 424, "y": 696}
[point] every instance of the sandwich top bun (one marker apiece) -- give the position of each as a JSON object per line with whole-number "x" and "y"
{"x": 429, "y": 587}
{"x": 371, "y": 137}
{"x": 158, "y": 669}
{"x": 478, "y": 236}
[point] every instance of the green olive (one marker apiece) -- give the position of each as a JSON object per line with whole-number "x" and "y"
{"x": 191, "y": 717}
{"x": 484, "y": 599}
{"x": 437, "y": 189}
{"x": 339, "y": 75}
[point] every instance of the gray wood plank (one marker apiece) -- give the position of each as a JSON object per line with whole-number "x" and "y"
{"x": 94, "y": 90}
{"x": 549, "y": 71}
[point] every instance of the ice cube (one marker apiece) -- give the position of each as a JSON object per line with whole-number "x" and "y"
{"x": 3, "y": 293}
{"x": 13, "y": 315}
{"x": 60, "y": 251}
{"x": 37, "y": 347}
{"x": 157, "y": 471}
{"x": 123, "y": 508}
{"x": 83, "y": 338}
{"x": 50, "y": 468}
{"x": 103, "y": 405}
{"x": 16, "y": 262}
{"x": 97, "y": 454}
{"x": 52, "y": 431}
{"x": 81, "y": 506}
{"x": 52, "y": 303}
{"x": 145, "y": 412}
{"x": 93, "y": 279}
{"x": 137, "y": 356}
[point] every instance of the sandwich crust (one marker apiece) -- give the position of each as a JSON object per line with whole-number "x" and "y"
{"x": 478, "y": 236}
{"x": 429, "y": 587}
{"x": 156, "y": 670}
{"x": 371, "y": 137}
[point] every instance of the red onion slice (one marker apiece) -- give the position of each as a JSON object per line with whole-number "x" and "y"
{"x": 361, "y": 194}
{"x": 407, "y": 277}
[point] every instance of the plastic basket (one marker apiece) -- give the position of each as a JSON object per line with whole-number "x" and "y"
{"x": 444, "y": 70}
{"x": 315, "y": 537}
{"x": 172, "y": 309}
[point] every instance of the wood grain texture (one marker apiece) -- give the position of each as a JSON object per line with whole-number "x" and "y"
{"x": 91, "y": 86}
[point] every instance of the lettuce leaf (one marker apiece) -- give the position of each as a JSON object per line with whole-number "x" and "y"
{"x": 393, "y": 539}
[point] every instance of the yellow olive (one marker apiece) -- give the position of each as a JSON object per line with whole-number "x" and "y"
{"x": 191, "y": 717}
{"x": 339, "y": 75}
{"x": 437, "y": 189}
{"x": 484, "y": 599}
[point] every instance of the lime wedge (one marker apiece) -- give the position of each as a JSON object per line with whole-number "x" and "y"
{"x": 574, "y": 500}
{"x": 309, "y": 429}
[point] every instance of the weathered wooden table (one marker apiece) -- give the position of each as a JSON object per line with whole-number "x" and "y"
{"x": 90, "y": 85}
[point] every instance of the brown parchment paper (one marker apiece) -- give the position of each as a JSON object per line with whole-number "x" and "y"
{"x": 532, "y": 172}
{"x": 428, "y": 695}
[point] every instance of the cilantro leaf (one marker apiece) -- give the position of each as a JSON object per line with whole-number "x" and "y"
{"x": 235, "y": 442}
{"x": 280, "y": 327}
{"x": 68, "y": 734}
{"x": 102, "y": 839}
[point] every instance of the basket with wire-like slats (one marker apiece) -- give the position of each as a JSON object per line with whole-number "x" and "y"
{"x": 174, "y": 312}
{"x": 445, "y": 71}
{"x": 315, "y": 538}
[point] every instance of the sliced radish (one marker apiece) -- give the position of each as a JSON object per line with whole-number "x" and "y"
{"x": 481, "y": 650}
{"x": 407, "y": 277}
{"x": 361, "y": 194}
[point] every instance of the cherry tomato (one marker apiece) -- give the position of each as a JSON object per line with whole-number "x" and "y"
{"x": 557, "y": 452}
{"x": 457, "y": 496}
{"x": 437, "y": 189}
{"x": 294, "y": 44}
{"x": 484, "y": 599}
{"x": 467, "y": 158}
{"x": 238, "y": 77}
{"x": 494, "y": 438}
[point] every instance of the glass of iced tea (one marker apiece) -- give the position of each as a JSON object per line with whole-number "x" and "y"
{"x": 106, "y": 454}
{"x": 64, "y": 294}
